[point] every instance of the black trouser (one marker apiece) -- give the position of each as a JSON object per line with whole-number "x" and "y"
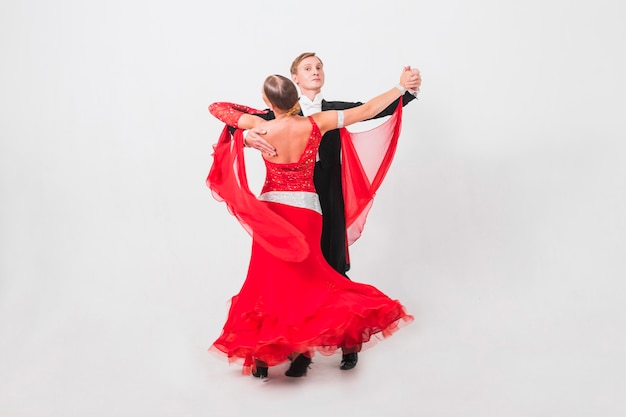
{"x": 327, "y": 179}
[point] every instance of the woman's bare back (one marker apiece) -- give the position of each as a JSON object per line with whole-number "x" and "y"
{"x": 289, "y": 136}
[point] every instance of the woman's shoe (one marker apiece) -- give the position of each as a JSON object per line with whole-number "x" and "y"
{"x": 299, "y": 366}
{"x": 260, "y": 369}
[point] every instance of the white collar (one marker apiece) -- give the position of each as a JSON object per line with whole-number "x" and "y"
{"x": 310, "y": 107}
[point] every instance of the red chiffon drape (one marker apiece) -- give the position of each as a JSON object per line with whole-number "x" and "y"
{"x": 228, "y": 182}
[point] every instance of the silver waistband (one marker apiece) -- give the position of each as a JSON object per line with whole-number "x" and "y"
{"x": 300, "y": 199}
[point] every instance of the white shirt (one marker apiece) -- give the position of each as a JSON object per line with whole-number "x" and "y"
{"x": 311, "y": 107}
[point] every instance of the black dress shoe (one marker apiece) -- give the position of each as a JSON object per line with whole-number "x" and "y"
{"x": 348, "y": 361}
{"x": 298, "y": 366}
{"x": 260, "y": 370}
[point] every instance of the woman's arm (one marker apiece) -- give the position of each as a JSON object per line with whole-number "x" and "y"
{"x": 236, "y": 115}
{"x": 328, "y": 120}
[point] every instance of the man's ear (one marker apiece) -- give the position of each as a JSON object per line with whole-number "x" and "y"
{"x": 294, "y": 78}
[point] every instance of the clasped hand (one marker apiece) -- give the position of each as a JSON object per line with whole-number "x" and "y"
{"x": 411, "y": 79}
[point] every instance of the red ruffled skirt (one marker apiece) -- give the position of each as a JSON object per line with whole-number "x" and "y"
{"x": 285, "y": 307}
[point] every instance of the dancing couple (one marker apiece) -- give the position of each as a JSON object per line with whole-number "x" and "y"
{"x": 319, "y": 186}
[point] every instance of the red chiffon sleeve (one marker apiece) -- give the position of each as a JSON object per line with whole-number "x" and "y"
{"x": 229, "y": 184}
{"x": 366, "y": 158}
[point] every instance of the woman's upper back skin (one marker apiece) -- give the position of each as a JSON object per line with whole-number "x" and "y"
{"x": 289, "y": 136}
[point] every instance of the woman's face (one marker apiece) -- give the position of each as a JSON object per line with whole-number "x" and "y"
{"x": 309, "y": 74}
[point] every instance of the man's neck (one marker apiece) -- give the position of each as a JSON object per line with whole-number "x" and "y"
{"x": 310, "y": 93}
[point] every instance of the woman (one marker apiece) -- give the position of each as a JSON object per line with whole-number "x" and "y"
{"x": 267, "y": 324}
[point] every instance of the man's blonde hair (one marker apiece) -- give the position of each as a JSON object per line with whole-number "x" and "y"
{"x": 300, "y": 58}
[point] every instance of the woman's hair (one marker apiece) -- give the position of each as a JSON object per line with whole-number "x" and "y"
{"x": 282, "y": 93}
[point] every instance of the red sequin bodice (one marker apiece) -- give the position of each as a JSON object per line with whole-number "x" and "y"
{"x": 296, "y": 176}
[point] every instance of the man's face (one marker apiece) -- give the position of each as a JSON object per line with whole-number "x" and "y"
{"x": 309, "y": 74}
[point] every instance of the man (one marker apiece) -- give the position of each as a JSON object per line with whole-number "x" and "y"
{"x": 307, "y": 72}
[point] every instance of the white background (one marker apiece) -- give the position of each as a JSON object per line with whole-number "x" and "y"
{"x": 500, "y": 225}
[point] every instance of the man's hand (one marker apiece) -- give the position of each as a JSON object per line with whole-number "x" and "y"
{"x": 418, "y": 80}
{"x": 254, "y": 140}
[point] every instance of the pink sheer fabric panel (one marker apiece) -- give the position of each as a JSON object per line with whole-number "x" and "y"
{"x": 366, "y": 158}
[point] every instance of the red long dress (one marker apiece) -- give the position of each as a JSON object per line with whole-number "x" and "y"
{"x": 291, "y": 300}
